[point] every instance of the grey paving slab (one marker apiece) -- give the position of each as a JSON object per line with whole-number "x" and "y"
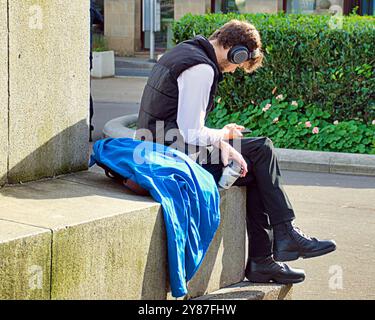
{"x": 342, "y": 208}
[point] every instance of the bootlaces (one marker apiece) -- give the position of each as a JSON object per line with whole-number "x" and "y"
{"x": 301, "y": 233}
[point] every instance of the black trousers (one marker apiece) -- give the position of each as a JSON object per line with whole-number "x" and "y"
{"x": 266, "y": 203}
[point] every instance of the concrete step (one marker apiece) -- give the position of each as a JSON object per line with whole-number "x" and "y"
{"x": 250, "y": 291}
{"x": 83, "y": 237}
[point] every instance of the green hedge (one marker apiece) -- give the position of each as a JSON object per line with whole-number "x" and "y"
{"x": 289, "y": 124}
{"x": 305, "y": 59}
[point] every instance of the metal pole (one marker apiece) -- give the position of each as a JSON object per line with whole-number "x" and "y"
{"x": 152, "y": 30}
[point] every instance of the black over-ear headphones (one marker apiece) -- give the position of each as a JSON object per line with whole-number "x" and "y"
{"x": 240, "y": 54}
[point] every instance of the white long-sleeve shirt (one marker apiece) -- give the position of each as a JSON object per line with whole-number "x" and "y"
{"x": 194, "y": 87}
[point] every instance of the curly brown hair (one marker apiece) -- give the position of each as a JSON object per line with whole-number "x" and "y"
{"x": 236, "y": 32}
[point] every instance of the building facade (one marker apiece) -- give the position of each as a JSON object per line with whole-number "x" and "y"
{"x": 123, "y": 18}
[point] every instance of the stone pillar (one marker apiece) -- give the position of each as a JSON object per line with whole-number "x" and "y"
{"x": 138, "y": 27}
{"x": 3, "y": 92}
{"x": 123, "y": 25}
{"x": 183, "y": 7}
{"x": 48, "y": 100}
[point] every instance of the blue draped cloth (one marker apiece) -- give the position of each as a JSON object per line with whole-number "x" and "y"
{"x": 187, "y": 193}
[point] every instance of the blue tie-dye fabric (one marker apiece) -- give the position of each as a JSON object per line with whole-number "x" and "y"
{"x": 187, "y": 193}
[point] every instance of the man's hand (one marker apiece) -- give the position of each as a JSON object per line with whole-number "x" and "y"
{"x": 233, "y": 131}
{"x": 229, "y": 153}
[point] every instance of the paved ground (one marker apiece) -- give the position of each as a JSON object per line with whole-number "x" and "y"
{"x": 134, "y": 67}
{"x": 327, "y": 206}
{"x": 342, "y": 208}
{"x": 115, "y": 97}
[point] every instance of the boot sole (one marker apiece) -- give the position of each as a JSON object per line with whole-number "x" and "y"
{"x": 263, "y": 278}
{"x": 285, "y": 256}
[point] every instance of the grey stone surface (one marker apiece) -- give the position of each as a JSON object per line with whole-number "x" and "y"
{"x": 106, "y": 244}
{"x": 327, "y": 162}
{"x": 110, "y": 244}
{"x": 249, "y": 291}
{"x": 121, "y": 257}
{"x": 3, "y": 92}
{"x": 25, "y": 261}
{"x": 353, "y": 164}
{"x": 224, "y": 263}
{"x": 59, "y": 203}
{"x": 299, "y": 160}
{"x": 49, "y": 88}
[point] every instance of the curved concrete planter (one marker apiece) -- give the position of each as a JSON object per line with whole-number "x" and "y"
{"x": 297, "y": 160}
{"x": 118, "y": 128}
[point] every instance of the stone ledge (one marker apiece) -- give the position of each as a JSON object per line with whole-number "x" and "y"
{"x": 327, "y": 162}
{"x": 250, "y": 291}
{"x": 101, "y": 242}
{"x": 25, "y": 261}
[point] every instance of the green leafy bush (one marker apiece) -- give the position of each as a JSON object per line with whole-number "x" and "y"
{"x": 305, "y": 59}
{"x": 99, "y": 43}
{"x": 294, "y": 125}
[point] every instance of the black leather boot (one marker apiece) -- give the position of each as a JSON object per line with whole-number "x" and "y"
{"x": 290, "y": 244}
{"x": 266, "y": 270}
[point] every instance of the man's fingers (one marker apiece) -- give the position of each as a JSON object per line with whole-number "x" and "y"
{"x": 244, "y": 167}
{"x": 235, "y": 126}
{"x": 229, "y": 153}
{"x": 225, "y": 159}
{"x": 238, "y": 133}
{"x": 245, "y": 170}
{"x": 225, "y": 154}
